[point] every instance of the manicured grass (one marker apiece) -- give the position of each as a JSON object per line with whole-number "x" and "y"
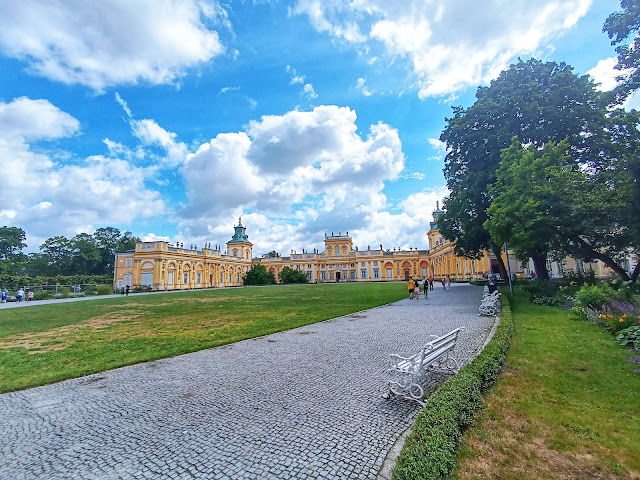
{"x": 566, "y": 406}
{"x": 47, "y": 343}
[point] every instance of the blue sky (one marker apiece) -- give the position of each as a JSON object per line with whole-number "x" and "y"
{"x": 172, "y": 119}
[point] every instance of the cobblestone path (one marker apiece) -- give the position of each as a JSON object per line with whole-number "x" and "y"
{"x": 294, "y": 405}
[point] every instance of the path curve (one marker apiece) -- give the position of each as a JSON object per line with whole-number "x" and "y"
{"x": 305, "y": 403}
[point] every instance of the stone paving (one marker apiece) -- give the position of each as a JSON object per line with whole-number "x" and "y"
{"x": 302, "y": 404}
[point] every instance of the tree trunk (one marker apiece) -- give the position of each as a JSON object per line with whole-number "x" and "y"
{"x": 608, "y": 261}
{"x": 540, "y": 264}
{"x": 497, "y": 251}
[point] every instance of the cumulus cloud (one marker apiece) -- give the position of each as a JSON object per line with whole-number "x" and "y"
{"x": 100, "y": 44}
{"x": 309, "y": 167}
{"x": 446, "y": 48}
{"x": 64, "y": 199}
{"x": 35, "y": 120}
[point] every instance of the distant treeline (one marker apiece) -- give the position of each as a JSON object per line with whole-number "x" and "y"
{"x": 80, "y": 257}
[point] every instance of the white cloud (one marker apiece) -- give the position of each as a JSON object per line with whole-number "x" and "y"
{"x": 152, "y": 237}
{"x": 437, "y": 144}
{"x": 112, "y": 42}
{"x": 35, "y": 120}
{"x": 309, "y": 92}
{"x": 605, "y": 76}
{"x": 296, "y": 78}
{"x": 446, "y": 47}
{"x": 361, "y": 85}
{"x": 56, "y": 199}
{"x": 123, "y": 104}
{"x": 311, "y": 168}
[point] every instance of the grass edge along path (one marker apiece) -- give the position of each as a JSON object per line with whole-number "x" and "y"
{"x": 49, "y": 343}
{"x": 430, "y": 449}
{"x": 566, "y": 405}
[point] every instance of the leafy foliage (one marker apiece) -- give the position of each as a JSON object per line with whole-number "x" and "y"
{"x": 630, "y": 337}
{"x": 620, "y": 26}
{"x": 83, "y": 254}
{"x": 289, "y": 275}
{"x": 538, "y": 102}
{"x": 258, "y": 275}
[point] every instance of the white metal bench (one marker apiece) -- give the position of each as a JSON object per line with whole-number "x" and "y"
{"x": 490, "y": 305}
{"x": 404, "y": 373}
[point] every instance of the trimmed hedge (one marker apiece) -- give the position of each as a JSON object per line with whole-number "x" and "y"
{"x": 430, "y": 449}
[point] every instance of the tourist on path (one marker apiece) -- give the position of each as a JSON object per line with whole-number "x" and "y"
{"x": 30, "y": 296}
{"x": 426, "y": 288}
{"x": 411, "y": 285}
{"x": 126, "y": 290}
{"x": 416, "y": 289}
{"x": 4, "y": 295}
{"x": 19, "y": 295}
{"x": 430, "y": 282}
{"x": 448, "y": 282}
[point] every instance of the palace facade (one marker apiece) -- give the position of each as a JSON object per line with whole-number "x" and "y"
{"x": 161, "y": 266}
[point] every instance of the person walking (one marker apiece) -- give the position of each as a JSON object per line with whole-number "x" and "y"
{"x": 30, "y": 296}
{"x": 431, "y": 282}
{"x": 444, "y": 284}
{"x": 122, "y": 291}
{"x": 19, "y": 295}
{"x": 416, "y": 289}
{"x": 426, "y": 288}
{"x": 448, "y": 282}
{"x": 4, "y": 295}
{"x": 411, "y": 285}
{"x": 126, "y": 290}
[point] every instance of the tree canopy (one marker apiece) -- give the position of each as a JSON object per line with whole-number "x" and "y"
{"x": 258, "y": 275}
{"x": 620, "y": 26}
{"x": 289, "y": 275}
{"x": 83, "y": 254}
{"x": 536, "y": 101}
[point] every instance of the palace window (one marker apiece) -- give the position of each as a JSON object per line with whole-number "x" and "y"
{"x": 376, "y": 273}
{"x": 363, "y": 273}
{"x": 129, "y": 261}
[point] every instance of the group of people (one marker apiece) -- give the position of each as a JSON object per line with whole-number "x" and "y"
{"x": 414, "y": 286}
{"x": 124, "y": 291}
{"x": 20, "y": 295}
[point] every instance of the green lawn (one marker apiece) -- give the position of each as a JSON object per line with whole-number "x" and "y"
{"x": 567, "y": 405}
{"x": 41, "y": 344}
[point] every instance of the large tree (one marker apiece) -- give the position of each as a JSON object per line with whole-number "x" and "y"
{"x": 11, "y": 241}
{"x": 548, "y": 202}
{"x": 538, "y": 102}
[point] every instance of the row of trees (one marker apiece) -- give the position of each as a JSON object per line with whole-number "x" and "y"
{"x": 545, "y": 162}
{"x": 83, "y": 254}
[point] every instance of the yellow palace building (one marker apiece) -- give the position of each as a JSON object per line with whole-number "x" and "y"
{"x": 161, "y": 266}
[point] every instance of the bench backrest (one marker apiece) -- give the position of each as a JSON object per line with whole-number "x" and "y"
{"x": 439, "y": 346}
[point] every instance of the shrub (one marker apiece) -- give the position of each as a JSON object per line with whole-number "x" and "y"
{"x": 64, "y": 292}
{"x": 288, "y": 275}
{"x": 43, "y": 295}
{"x": 430, "y": 449}
{"x": 258, "y": 275}
{"x": 615, "y": 323}
{"x": 630, "y": 337}
{"x": 595, "y": 296}
{"x": 104, "y": 289}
